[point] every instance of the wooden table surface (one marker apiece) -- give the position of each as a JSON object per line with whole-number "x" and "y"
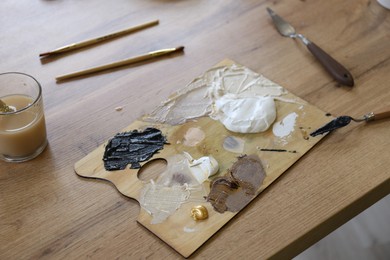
{"x": 48, "y": 212}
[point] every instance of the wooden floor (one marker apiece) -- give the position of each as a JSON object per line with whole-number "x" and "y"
{"x": 367, "y": 236}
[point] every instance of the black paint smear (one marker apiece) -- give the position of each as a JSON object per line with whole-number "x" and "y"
{"x": 332, "y": 125}
{"x": 132, "y": 148}
{"x": 277, "y": 150}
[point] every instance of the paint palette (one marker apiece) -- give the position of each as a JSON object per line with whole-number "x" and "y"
{"x": 277, "y": 149}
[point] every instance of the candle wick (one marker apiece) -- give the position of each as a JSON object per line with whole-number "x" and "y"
{"x": 4, "y": 107}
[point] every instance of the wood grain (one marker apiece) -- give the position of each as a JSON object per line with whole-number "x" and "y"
{"x": 47, "y": 211}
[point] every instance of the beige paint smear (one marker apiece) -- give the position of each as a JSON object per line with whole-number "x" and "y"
{"x": 198, "y": 97}
{"x": 193, "y": 136}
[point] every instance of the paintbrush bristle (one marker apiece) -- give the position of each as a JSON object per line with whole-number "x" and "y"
{"x": 44, "y": 54}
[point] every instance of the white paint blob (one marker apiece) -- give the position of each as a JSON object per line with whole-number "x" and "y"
{"x": 244, "y": 115}
{"x": 202, "y": 168}
{"x": 286, "y": 126}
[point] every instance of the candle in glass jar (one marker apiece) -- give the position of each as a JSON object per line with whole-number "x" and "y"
{"x": 23, "y": 131}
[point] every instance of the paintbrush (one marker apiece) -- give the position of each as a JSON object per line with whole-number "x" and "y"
{"x": 132, "y": 60}
{"x": 342, "y": 121}
{"x": 85, "y": 43}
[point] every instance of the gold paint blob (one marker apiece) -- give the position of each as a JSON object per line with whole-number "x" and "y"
{"x": 199, "y": 213}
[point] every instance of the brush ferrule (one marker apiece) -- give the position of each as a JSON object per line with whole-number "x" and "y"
{"x": 369, "y": 117}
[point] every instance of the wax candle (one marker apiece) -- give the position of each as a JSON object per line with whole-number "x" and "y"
{"x": 23, "y": 130}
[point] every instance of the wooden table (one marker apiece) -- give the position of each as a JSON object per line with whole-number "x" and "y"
{"x": 47, "y": 211}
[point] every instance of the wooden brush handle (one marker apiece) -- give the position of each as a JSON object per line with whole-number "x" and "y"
{"x": 382, "y": 114}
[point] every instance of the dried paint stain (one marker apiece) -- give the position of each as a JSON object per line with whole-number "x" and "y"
{"x": 234, "y": 144}
{"x": 304, "y": 132}
{"x": 238, "y": 187}
{"x": 132, "y": 148}
{"x": 193, "y": 136}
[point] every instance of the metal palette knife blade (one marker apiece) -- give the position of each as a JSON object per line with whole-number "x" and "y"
{"x": 332, "y": 125}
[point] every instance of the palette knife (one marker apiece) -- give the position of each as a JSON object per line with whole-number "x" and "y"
{"x": 335, "y": 69}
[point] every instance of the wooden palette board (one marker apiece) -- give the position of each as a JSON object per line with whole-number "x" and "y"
{"x": 180, "y": 231}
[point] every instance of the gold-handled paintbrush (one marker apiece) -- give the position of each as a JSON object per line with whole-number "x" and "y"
{"x": 135, "y": 59}
{"x": 85, "y": 43}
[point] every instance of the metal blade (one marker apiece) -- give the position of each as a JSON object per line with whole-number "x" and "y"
{"x": 332, "y": 125}
{"x": 283, "y": 27}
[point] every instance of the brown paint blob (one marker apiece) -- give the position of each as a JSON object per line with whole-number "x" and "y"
{"x": 238, "y": 187}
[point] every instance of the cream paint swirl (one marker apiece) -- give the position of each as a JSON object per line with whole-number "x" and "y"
{"x": 239, "y": 98}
